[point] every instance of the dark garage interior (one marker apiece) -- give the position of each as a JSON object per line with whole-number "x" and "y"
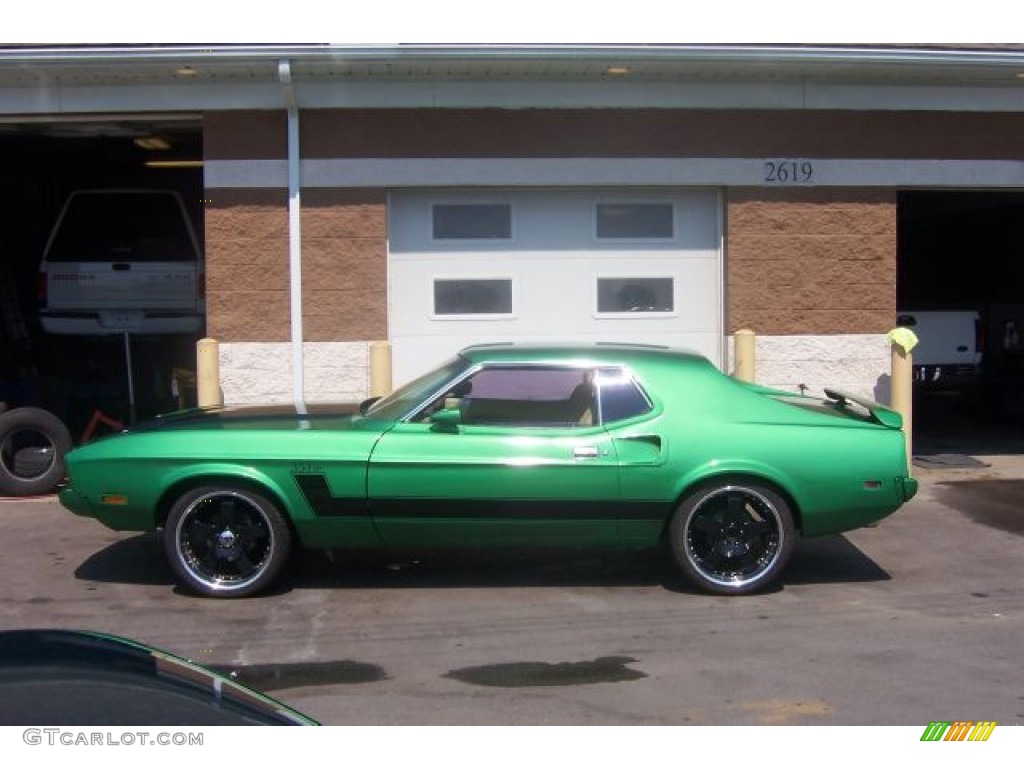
{"x": 74, "y": 376}
{"x": 964, "y": 250}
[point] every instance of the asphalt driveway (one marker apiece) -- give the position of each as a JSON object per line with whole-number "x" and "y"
{"x": 918, "y": 619}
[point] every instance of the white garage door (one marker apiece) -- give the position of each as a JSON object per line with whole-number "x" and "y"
{"x": 529, "y": 265}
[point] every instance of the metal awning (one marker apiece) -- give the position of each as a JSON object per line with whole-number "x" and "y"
{"x": 65, "y": 79}
{"x": 128, "y": 64}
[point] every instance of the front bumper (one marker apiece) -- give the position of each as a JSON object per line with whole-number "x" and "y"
{"x": 106, "y": 322}
{"x": 73, "y": 501}
{"x": 952, "y": 377}
{"x": 908, "y": 487}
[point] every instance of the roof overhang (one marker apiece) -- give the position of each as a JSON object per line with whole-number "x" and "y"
{"x": 80, "y": 80}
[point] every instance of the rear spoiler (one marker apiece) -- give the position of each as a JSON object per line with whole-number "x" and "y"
{"x": 881, "y": 414}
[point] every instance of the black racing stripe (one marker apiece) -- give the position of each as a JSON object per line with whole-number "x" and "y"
{"x": 515, "y": 509}
{"x": 318, "y": 495}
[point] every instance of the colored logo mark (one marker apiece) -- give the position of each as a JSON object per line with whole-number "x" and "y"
{"x": 958, "y": 730}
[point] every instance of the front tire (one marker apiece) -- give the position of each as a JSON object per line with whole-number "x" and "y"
{"x": 226, "y": 542}
{"x": 732, "y": 538}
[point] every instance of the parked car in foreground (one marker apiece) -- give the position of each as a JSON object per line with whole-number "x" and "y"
{"x": 60, "y": 677}
{"x": 579, "y": 446}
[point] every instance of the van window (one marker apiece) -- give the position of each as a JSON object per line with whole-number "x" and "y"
{"x": 122, "y": 227}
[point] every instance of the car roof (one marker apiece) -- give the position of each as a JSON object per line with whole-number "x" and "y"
{"x": 576, "y": 353}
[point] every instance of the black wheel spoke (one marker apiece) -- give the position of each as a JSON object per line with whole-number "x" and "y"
{"x": 712, "y": 559}
{"x": 209, "y": 562}
{"x": 244, "y": 565}
{"x": 760, "y": 530}
{"x": 251, "y": 532}
{"x": 706, "y": 525}
{"x": 200, "y": 532}
{"x": 736, "y": 509}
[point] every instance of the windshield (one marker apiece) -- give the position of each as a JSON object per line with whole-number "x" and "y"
{"x": 403, "y": 400}
{"x": 122, "y": 226}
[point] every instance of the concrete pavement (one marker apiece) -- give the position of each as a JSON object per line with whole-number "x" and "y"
{"x": 920, "y": 618}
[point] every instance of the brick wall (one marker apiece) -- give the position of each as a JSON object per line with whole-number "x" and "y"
{"x": 810, "y": 262}
{"x": 344, "y": 265}
{"x": 659, "y": 133}
{"x": 247, "y": 265}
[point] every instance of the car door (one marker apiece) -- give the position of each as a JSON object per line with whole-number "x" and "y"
{"x": 513, "y": 455}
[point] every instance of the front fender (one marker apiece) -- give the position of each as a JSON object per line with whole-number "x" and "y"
{"x": 177, "y": 480}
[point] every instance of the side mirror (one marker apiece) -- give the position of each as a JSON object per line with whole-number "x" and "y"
{"x": 447, "y": 420}
{"x": 366, "y": 404}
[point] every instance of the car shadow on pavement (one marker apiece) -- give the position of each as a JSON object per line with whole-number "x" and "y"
{"x": 831, "y": 560}
{"x": 475, "y": 568}
{"x": 140, "y": 560}
{"x": 136, "y": 560}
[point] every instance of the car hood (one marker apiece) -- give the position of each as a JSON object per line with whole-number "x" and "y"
{"x": 263, "y": 417}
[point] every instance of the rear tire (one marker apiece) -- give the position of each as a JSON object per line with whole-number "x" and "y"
{"x": 32, "y": 447}
{"x": 223, "y": 541}
{"x": 733, "y": 537}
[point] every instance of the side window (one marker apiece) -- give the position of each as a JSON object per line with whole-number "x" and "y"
{"x": 472, "y": 297}
{"x": 640, "y": 295}
{"x": 635, "y": 221}
{"x": 533, "y": 396}
{"x": 620, "y": 395}
{"x": 471, "y": 221}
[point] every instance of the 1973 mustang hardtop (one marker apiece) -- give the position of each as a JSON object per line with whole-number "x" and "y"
{"x": 596, "y": 446}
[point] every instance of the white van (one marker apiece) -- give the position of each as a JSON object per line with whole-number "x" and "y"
{"x": 122, "y": 260}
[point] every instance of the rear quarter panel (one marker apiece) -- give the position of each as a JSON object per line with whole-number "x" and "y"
{"x": 839, "y": 473}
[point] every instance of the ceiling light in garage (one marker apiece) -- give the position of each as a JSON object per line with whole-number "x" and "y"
{"x": 616, "y": 70}
{"x": 174, "y": 163}
{"x": 152, "y": 142}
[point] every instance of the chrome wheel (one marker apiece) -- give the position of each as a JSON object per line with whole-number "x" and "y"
{"x": 733, "y": 539}
{"x": 226, "y": 542}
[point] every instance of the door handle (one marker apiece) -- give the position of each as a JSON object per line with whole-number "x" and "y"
{"x": 585, "y": 452}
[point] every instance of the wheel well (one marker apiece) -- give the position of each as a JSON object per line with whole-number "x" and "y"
{"x": 738, "y": 477}
{"x": 174, "y": 492}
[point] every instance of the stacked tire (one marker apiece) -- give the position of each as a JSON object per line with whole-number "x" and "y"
{"x": 32, "y": 447}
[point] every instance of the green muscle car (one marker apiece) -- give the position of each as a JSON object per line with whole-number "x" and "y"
{"x": 599, "y": 446}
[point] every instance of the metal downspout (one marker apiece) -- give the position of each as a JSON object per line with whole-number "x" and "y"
{"x": 284, "y": 72}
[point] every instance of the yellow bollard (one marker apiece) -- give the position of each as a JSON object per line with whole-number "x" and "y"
{"x": 380, "y": 368}
{"x": 208, "y": 373}
{"x": 902, "y": 341}
{"x": 743, "y": 355}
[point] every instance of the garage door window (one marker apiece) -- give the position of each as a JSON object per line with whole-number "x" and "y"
{"x": 453, "y": 298}
{"x": 635, "y": 295}
{"x": 476, "y": 221}
{"x": 635, "y": 221}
